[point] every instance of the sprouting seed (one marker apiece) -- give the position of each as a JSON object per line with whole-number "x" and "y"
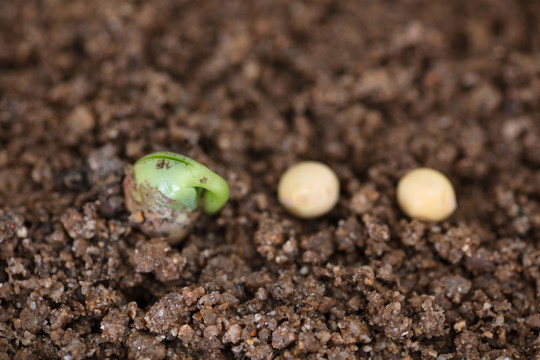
{"x": 162, "y": 192}
{"x": 308, "y": 189}
{"x": 426, "y": 194}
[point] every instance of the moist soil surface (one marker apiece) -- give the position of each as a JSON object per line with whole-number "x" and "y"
{"x": 371, "y": 88}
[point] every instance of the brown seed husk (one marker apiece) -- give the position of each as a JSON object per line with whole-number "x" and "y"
{"x": 148, "y": 212}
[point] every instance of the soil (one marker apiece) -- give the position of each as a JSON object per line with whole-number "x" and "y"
{"x": 371, "y": 88}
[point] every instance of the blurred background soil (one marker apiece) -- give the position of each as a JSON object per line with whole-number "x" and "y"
{"x": 372, "y": 88}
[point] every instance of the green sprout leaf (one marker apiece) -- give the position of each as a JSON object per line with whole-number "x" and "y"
{"x": 182, "y": 181}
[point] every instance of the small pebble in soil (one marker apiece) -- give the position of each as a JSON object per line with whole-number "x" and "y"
{"x": 308, "y": 189}
{"x": 426, "y": 194}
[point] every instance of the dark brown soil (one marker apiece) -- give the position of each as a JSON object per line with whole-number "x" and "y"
{"x": 372, "y": 88}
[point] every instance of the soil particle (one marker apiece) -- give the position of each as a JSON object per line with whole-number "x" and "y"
{"x": 467, "y": 345}
{"x": 453, "y": 287}
{"x": 80, "y": 225}
{"x": 283, "y": 336}
{"x": 99, "y": 298}
{"x": 186, "y": 334}
{"x": 455, "y": 243}
{"x": 167, "y": 316}
{"x": 349, "y": 235}
{"x": 431, "y": 316}
{"x": 114, "y": 326}
{"x": 364, "y": 199}
{"x": 232, "y": 335}
{"x": 228, "y": 273}
{"x": 33, "y": 316}
{"x": 269, "y": 235}
{"x": 413, "y": 232}
{"x": 396, "y": 326}
{"x": 308, "y": 342}
{"x": 259, "y": 352}
{"x": 60, "y": 317}
{"x": 156, "y": 256}
{"x": 105, "y": 166}
{"x": 354, "y": 330}
{"x": 79, "y": 122}
{"x": 106, "y": 170}
{"x": 317, "y": 248}
{"x": 378, "y": 234}
{"x": 533, "y": 321}
{"x": 72, "y": 347}
{"x": 142, "y": 346}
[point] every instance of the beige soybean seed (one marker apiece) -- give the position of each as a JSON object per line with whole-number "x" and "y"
{"x": 426, "y": 194}
{"x": 308, "y": 189}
